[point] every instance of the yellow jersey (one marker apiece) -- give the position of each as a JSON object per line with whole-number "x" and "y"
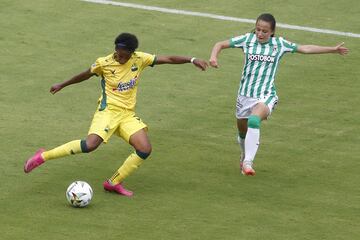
{"x": 119, "y": 81}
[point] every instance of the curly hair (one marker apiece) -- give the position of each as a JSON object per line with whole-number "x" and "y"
{"x": 126, "y": 41}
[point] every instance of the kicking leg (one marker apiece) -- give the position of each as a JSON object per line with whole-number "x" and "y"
{"x": 77, "y": 146}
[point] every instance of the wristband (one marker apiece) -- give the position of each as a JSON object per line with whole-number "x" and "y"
{"x": 192, "y": 60}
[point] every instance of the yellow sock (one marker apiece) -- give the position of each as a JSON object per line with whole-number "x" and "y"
{"x": 73, "y": 147}
{"x": 128, "y": 167}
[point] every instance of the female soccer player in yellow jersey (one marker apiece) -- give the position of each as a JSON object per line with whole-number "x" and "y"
{"x": 120, "y": 72}
{"x": 257, "y": 94}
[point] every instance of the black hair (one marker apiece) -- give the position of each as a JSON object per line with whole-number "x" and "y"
{"x": 267, "y": 17}
{"x": 126, "y": 41}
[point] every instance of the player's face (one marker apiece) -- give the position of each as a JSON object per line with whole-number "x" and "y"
{"x": 122, "y": 55}
{"x": 263, "y": 31}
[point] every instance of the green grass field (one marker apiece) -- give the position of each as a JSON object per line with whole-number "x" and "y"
{"x": 307, "y": 182}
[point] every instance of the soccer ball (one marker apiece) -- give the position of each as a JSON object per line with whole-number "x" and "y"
{"x": 79, "y": 194}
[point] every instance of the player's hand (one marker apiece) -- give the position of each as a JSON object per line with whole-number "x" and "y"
{"x": 55, "y": 88}
{"x": 200, "y": 64}
{"x": 341, "y": 49}
{"x": 213, "y": 62}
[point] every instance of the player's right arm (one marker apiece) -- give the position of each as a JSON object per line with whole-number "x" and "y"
{"x": 216, "y": 50}
{"x": 75, "y": 79}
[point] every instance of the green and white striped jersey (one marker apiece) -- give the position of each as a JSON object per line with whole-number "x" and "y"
{"x": 261, "y": 63}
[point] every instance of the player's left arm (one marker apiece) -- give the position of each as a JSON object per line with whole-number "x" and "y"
{"x": 315, "y": 49}
{"x": 199, "y": 63}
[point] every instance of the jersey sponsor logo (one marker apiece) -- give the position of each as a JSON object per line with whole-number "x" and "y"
{"x": 261, "y": 58}
{"x": 127, "y": 85}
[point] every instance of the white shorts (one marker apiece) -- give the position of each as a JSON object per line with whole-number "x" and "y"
{"x": 245, "y": 105}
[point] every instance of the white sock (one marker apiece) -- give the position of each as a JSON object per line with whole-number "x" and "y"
{"x": 251, "y": 145}
{"x": 242, "y": 148}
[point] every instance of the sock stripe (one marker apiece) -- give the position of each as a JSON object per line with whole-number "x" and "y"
{"x": 83, "y": 145}
{"x": 254, "y": 121}
{"x": 142, "y": 155}
{"x": 242, "y": 135}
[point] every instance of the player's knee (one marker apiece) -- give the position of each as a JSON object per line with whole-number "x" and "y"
{"x": 254, "y": 121}
{"x": 90, "y": 145}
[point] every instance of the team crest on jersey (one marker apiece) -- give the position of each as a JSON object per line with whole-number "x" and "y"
{"x": 134, "y": 67}
{"x": 274, "y": 51}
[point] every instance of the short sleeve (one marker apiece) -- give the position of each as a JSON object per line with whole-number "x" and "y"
{"x": 238, "y": 42}
{"x": 96, "y": 68}
{"x": 147, "y": 59}
{"x": 288, "y": 46}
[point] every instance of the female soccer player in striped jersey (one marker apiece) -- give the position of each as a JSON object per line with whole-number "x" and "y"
{"x": 257, "y": 94}
{"x": 120, "y": 72}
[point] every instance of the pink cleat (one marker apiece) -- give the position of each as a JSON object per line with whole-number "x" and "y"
{"x": 34, "y": 161}
{"x": 117, "y": 188}
{"x": 247, "y": 170}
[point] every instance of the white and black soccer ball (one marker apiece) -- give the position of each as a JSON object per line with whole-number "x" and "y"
{"x": 79, "y": 194}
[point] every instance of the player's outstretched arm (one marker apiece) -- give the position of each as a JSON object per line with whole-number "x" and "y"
{"x": 314, "y": 49}
{"x": 216, "y": 50}
{"x": 75, "y": 79}
{"x": 199, "y": 63}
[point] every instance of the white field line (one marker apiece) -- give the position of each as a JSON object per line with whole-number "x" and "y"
{"x": 220, "y": 17}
